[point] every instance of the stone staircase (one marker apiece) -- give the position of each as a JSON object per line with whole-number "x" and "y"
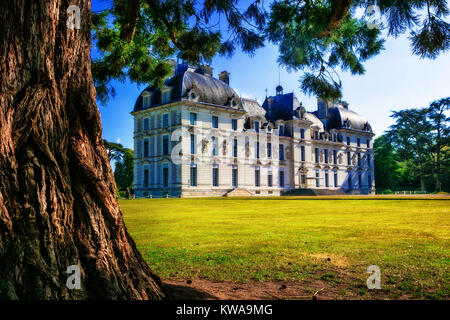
{"x": 239, "y": 192}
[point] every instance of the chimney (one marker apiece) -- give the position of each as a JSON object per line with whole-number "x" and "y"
{"x": 205, "y": 69}
{"x": 225, "y": 77}
{"x": 322, "y": 108}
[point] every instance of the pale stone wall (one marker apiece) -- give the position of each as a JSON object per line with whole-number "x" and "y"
{"x": 179, "y": 183}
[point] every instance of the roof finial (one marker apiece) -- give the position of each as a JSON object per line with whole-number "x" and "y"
{"x": 266, "y": 92}
{"x": 279, "y": 88}
{"x": 279, "y": 81}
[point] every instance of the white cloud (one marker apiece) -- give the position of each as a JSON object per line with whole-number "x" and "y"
{"x": 118, "y": 140}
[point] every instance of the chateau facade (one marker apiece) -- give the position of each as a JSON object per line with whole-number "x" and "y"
{"x": 196, "y": 137}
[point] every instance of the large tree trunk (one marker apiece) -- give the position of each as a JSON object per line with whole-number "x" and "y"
{"x": 58, "y": 205}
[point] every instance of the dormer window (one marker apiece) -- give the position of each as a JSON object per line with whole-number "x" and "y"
{"x": 192, "y": 95}
{"x": 316, "y": 135}
{"x": 165, "y": 96}
{"x": 146, "y": 100}
{"x": 281, "y": 130}
{"x": 233, "y": 102}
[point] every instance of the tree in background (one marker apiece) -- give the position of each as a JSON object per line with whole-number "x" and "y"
{"x": 411, "y": 138}
{"x": 123, "y": 172}
{"x": 439, "y": 119}
{"x": 114, "y": 150}
{"x": 387, "y": 175}
{"x": 415, "y": 150}
{"x": 123, "y": 163}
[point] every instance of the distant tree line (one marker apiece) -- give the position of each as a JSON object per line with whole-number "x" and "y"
{"x": 123, "y": 157}
{"x": 414, "y": 153}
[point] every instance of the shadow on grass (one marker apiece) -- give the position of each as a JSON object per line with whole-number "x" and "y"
{"x": 180, "y": 292}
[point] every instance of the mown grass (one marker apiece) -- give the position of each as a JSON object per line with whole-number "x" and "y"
{"x": 277, "y": 239}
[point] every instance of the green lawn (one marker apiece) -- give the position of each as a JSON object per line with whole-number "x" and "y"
{"x": 278, "y": 239}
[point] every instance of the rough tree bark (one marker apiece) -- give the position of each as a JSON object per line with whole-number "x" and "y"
{"x": 58, "y": 205}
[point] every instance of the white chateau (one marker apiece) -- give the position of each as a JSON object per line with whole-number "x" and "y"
{"x": 196, "y": 137}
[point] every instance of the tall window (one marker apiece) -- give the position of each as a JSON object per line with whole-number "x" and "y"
{"x": 146, "y": 178}
{"x": 193, "y": 118}
{"x": 215, "y": 121}
{"x": 234, "y": 124}
{"x": 146, "y": 147}
{"x": 316, "y": 155}
{"x": 234, "y": 176}
{"x": 302, "y": 152}
{"x": 235, "y": 148}
{"x": 281, "y": 130}
{"x": 348, "y": 141}
{"x": 302, "y": 133}
{"x": 368, "y": 143}
{"x": 215, "y": 175}
{"x": 359, "y": 159}
{"x": 193, "y": 175}
{"x": 281, "y": 153}
{"x": 359, "y": 180}
{"x": 349, "y": 180}
{"x": 269, "y": 178}
{"x": 257, "y": 177}
{"x": 316, "y": 135}
{"x": 349, "y": 159}
{"x": 358, "y": 142}
{"x": 326, "y": 155}
{"x": 192, "y": 144}
{"x": 269, "y": 150}
{"x": 257, "y": 149}
{"x": 369, "y": 180}
{"x": 214, "y": 146}
{"x": 165, "y": 177}
{"x": 334, "y": 137}
{"x": 165, "y": 119}
{"x": 327, "y": 184}
{"x": 146, "y": 124}
{"x": 334, "y": 157}
{"x": 317, "y": 179}
{"x": 335, "y": 179}
{"x": 256, "y": 124}
{"x": 165, "y": 145}
{"x": 368, "y": 160}
{"x": 282, "y": 179}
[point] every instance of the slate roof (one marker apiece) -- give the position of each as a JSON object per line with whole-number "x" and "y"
{"x": 208, "y": 89}
{"x": 279, "y": 107}
{"x": 213, "y": 91}
{"x": 342, "y": 118}
{"x": 253, "y": 108}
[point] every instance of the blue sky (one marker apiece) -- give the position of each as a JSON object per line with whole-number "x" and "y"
{"x": 394, "y": 80}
